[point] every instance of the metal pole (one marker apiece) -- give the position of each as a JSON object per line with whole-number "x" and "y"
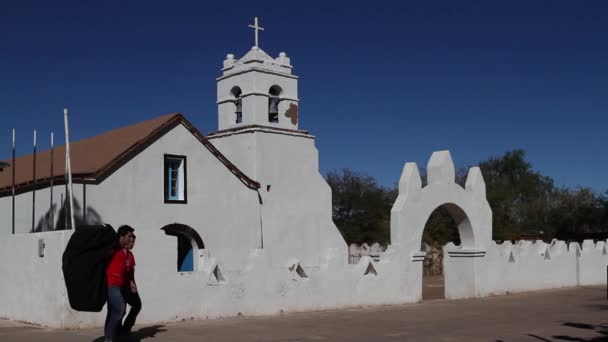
{"x": 69, "y": 166}
{"x": 84, "y": 203}
{"x": 34, "y": 185}
{"x": 51, "y": 206}
{"x": 13, "y": 186}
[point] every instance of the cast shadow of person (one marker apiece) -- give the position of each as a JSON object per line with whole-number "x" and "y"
{"x": 139, "y": 334}
{"x": 599, "y": 329}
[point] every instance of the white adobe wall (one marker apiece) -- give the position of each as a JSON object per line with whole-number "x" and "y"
{"x": 134, "y": 195}
{"x": 480, "y": 267}
{"x": 297, "y": 209}
{"x": 30, "y": 289}
{"x": 255, "y": 106}
{"x": 23, "y": 209}
{"x": 267, "y": 281}
{"x": 223, "y": 211}
{"x": 412, "y": 209}
{"x": 525, "y": 266}
{"x": 227, "y": 216}
{"x": 528, "y": 266}
{"x": 36, "y": 292}
{"x": 593, "y": 263}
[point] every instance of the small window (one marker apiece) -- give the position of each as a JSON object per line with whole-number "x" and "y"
{"x": 175, "y": 179}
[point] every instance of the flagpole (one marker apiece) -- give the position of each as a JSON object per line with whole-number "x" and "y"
{"x": 13, "y": 185}
{"x": 51, "y": 206}
{"x": 68, "y": 166}
{"x": 34, "y": 184}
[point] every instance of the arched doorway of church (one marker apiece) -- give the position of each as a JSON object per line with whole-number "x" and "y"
{"x": 440, "y": 229}
{"x": 189, "y": 246}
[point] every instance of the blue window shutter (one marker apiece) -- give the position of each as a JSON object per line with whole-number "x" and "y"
{"x": 185, "y": 255}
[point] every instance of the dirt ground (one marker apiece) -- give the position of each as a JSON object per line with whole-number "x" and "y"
{"x": 433, "y": 287}
{"x": 572, "y": 314}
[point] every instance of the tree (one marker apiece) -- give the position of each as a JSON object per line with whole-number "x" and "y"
{"x": 440, "y": 229}
{"x": 522, "y": 201}
{"x": 520, "y": 198}
{"x": 579, "y": 213}
{"x": 361, "y": 207}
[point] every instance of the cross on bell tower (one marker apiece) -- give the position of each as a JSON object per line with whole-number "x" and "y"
{"x": 257, "y": 90}
{"x": 256, "y": 28}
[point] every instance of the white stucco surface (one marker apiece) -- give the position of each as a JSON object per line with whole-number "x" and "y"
{"x": 254, "y": 74}
{"x": 274, "y": 249}
{"x": 282, "y": 276}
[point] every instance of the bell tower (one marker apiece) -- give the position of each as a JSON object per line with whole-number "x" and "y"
{"x": 257, "y": 98}
{"x": 257, "y": 90}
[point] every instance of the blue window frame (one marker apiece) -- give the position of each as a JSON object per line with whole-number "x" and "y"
{"x": 175, "y": 183}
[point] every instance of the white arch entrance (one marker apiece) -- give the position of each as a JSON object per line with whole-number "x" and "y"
{"x": 467, "y": 206}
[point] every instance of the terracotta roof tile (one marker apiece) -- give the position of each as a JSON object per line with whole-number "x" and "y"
{"x": 95, "y": 158}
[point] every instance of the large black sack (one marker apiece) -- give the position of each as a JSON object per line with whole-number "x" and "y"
{"x": 84, "y": 266}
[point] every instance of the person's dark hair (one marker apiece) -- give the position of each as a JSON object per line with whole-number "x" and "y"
{"x": 124, "y": 230}
{"x": 134, "y": 237}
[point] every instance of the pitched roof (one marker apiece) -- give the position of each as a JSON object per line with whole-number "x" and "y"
{"x": 93, "y": 159}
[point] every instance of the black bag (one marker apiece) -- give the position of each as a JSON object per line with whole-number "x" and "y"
{"x": 84, "y": 266}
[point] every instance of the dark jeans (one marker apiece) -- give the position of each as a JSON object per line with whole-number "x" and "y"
{"x": 116, "y": 311}
{"x": 135, "y": 302}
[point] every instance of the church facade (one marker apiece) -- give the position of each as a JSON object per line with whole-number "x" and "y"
{"x": 240, "y": 221}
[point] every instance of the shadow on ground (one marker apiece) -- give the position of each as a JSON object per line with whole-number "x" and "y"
{"x": 600, "y": 307}
{"x": 140, "y": 334}
{"x": 602, "y": 330}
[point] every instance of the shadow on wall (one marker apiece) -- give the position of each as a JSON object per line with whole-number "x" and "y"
{"x": 88, "y": 217}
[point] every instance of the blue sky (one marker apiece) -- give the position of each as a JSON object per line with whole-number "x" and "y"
{"x": 381, "y": 83}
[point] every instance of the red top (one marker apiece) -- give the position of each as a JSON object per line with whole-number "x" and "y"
{"x": 120, "y": 268}
{"x": 131, "y": 272}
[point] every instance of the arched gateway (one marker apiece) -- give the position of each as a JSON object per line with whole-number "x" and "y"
{"x": 467, "y": 206}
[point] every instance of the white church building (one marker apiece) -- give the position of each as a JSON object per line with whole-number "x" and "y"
{"x": 240, "y": 221}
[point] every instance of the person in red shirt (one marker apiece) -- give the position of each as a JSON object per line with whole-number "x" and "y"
{"x": 117, "y": 274}
{"x": 131, "y": 294}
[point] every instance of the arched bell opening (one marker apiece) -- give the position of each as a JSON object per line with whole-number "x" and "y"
{"x": 274, "y": 94}
{"x": 236, "y": 94}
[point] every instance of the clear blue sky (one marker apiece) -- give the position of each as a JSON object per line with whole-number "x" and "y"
{"x": 381, "y": 83}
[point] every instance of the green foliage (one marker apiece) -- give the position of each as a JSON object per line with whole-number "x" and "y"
{"x": 520, "y": 197}
{"x": 523, "y": 201}
{"x": 577, "y": 212}
{"x": 361, "y": 207}
{"x": 440, "y": 229}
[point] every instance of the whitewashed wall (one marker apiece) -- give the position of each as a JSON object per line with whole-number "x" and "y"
{"x": 220, "y": 208}
{"x": 283, "y": 276}
{"x": 258, "y": 288}
{"x": 23, "y": 209}
{"x": 480, "y": 267}
{"x": 297, "y": 209}
{"x": 592, "y": 263}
